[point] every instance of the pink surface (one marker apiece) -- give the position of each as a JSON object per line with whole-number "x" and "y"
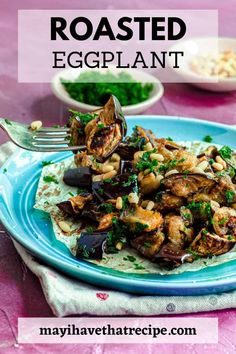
{"x": 20, "y": 291}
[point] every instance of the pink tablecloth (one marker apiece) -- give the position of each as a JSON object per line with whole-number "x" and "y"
{"x": 20, "y": 291}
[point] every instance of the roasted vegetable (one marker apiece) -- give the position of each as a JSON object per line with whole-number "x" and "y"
{"x": 177, "y": 232}
{"x": 148, "y": 244}
{"x": 91, "y": 245}
{"x": 183, "y": 185}
{"x": 78, "y": 177}
{"x": 74, "y": 205}
{"x": 171, "y": 256}
{"x": 224, "y": 221}
{"x": 146, "y": 220}
{"x": 208, "y": 244}
{"x": 166, "y": 201}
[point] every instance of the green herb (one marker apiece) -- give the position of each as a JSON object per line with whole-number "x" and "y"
{"x": 56, "y": 126}
{"x": 147, "y": 244}
{"x": 100, "y": 125}
{"x": 84, "y": 118}
{"x": 130, "y": 258}
{"x": 169, "y": 138}
{"x": 208, "y": 139}
{"x": 223, "y": 221}
{"x": 125, "y": 202}
{"x": 146, "y": 163}
{"x": 211, "y": 161}
{"x": 100, "y": 191}
{"x": 230, "y": 237}
{"x": 93, "y": 87}
{"x": 158, "y": 197}
{"x": 81, "y": 190}
{"x": 139, "y": 227}
{"x": 70, "y": 193}
{"x": 108, "y": 208}
{"x": 84, "y": 251}
{"x": 46, "y": 163}
{"x": 4, "y": 170}
{"x": 119, "y": 233}
{"x": 90, "y": 229}
{"x": 170, "y": 164}
{"x": 131, "y": 179}
{"x": 138, "y": 266}
{"x": 187, "y": 215}
{"x": 205, "y": 232}
{"x": 7, "y": 121}
{"x": 49, "y": 179}
{"x": 225, "y": 152}
{"x": 229, "y": 196}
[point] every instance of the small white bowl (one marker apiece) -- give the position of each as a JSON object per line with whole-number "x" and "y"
{"x": 195, "y": 47}
{"x": 71, "y": 74}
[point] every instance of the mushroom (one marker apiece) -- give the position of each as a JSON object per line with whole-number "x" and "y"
{"x": 224, "y": 221}
{"x": 207, "y": 244}
{"x": 148, "y": 244}
{"x": 91, "y": 245}
{"x": 183, "y": 185}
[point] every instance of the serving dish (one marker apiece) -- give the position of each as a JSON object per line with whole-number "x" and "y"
{"x": 71, "y": 74}
{"x": 30, "y": 228}
{"x": 195, "y": 47}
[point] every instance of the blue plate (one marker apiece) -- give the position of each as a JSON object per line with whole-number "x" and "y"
{"x": 33, "y": 229}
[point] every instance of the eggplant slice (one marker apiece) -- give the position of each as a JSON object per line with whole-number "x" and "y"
{"x": 171, "y": 256}
{"x": 183, "y": 185}
{"x": 74, "y": 205}
{"x": 91, "y": 245}
{"x": 148, "y": 244}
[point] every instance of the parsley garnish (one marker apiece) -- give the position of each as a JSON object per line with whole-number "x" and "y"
{"x": 169, "y": 138}
{"x": 138, "y": 266}
{"x": 207, "y": 139}
{"x": 108, "y": 208}
{"x": 84, "y": 118}
{"x": 145, "y": 162}
{"x": 49, "y": 179}
{"x": 223, "y": 221}
{"x": 46, "y": 163}
{"x": 230, "y": 237}
{"x": 81, "y": 190}
{"x": 132, "y": 178}
{"x": 100, "y": 125}
{"x": 70, "y": 193}
{"x": 4, "y": 170}
{"x": 225, "y": 152}
{"x": 7, "y": 121}
{"x": 129, "y": 258}
{"x": 229, "y": 196}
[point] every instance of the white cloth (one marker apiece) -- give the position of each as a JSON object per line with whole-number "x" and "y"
{"x": 67, "y": 296}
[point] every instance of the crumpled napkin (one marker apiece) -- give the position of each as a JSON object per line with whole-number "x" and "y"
{"x": 67, "y": 296}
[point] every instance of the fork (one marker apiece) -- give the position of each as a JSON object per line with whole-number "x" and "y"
{"x": 41, "y": 140}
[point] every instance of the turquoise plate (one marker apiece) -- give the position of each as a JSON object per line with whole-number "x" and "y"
{"x": 33, "y": 229}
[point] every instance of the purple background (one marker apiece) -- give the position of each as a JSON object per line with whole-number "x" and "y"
{"x": 20, "y": 291}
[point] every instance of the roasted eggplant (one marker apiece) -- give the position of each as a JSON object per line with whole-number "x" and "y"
{"x": 91, "y": 245}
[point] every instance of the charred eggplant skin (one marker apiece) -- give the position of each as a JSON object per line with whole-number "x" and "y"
{"x": 172, "y": 256}
{"x": 91, "y": 245}
{"x": 78, "y": 177}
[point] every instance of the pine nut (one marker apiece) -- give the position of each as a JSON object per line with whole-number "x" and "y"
{"x": 197, "y": 170}
{"x": 97, "y": 178}
{"x": 140, "y": 176}
{"x": 116, "y": 165}
{"x": 133, "y": 198}
{"x": 119, "y": 203}
{"x": 159, "y": 178}
{"x": 158, "y": 157}
{"x": 119, "y": 246}
{"x": 107, "y": 168}
{"x": 109, "y": 174}
{"x": 148, "y": 146}
{"x": 35, "y": 125}
{"x": 64, "y": 226}
{"x": 115, "y": 157}
{"x": 221, "y": 161}
{"x": 214, "y": 205}
{"x": 203, "y": 165}
{"x": 150, "y": 205}
{"x": 217, "y": 166}
{"x": 171, "y": 172}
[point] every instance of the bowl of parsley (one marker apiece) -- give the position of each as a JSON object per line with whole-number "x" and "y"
{"x": 87, "y": 90}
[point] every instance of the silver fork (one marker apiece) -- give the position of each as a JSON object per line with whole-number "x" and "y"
{"x": 41, "y": 140}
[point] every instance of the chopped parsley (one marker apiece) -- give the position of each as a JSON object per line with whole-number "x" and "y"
{"x": 107, "y": 207}
{"x": 129, "y": 258}
{"x": 169, "y": 138}
{"x": 49, "y": 179}
{"x": 7, "y": 121}
{"x": 138, "y": 266}
{"x": 4, "y": 170}
{"x": 207, "y": 139}
{"x": 100, "y": 125}
{"x": 229, "y": 196}
{"x": 223, "y": 221}
{"x": 90, "y": 229}
{"x": 132, "y": 178}
{"x": 139, "y": 227}
{"x": 71, "y": 194}
{"x": 145, "y": 162}
{"x": 170, "y": 164}
{"x": 81, "y": 190}
{"x": 230, "y": 237}
{"x": 147, "y": 245}
{"x": 125, "y": 202}
{"x": 211, "y": 161}
{"x": 84, "y": 118}
{"x": 225, "y": 152}
{"x": 118, "y": 233}
{"x": 46, "y": 163}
